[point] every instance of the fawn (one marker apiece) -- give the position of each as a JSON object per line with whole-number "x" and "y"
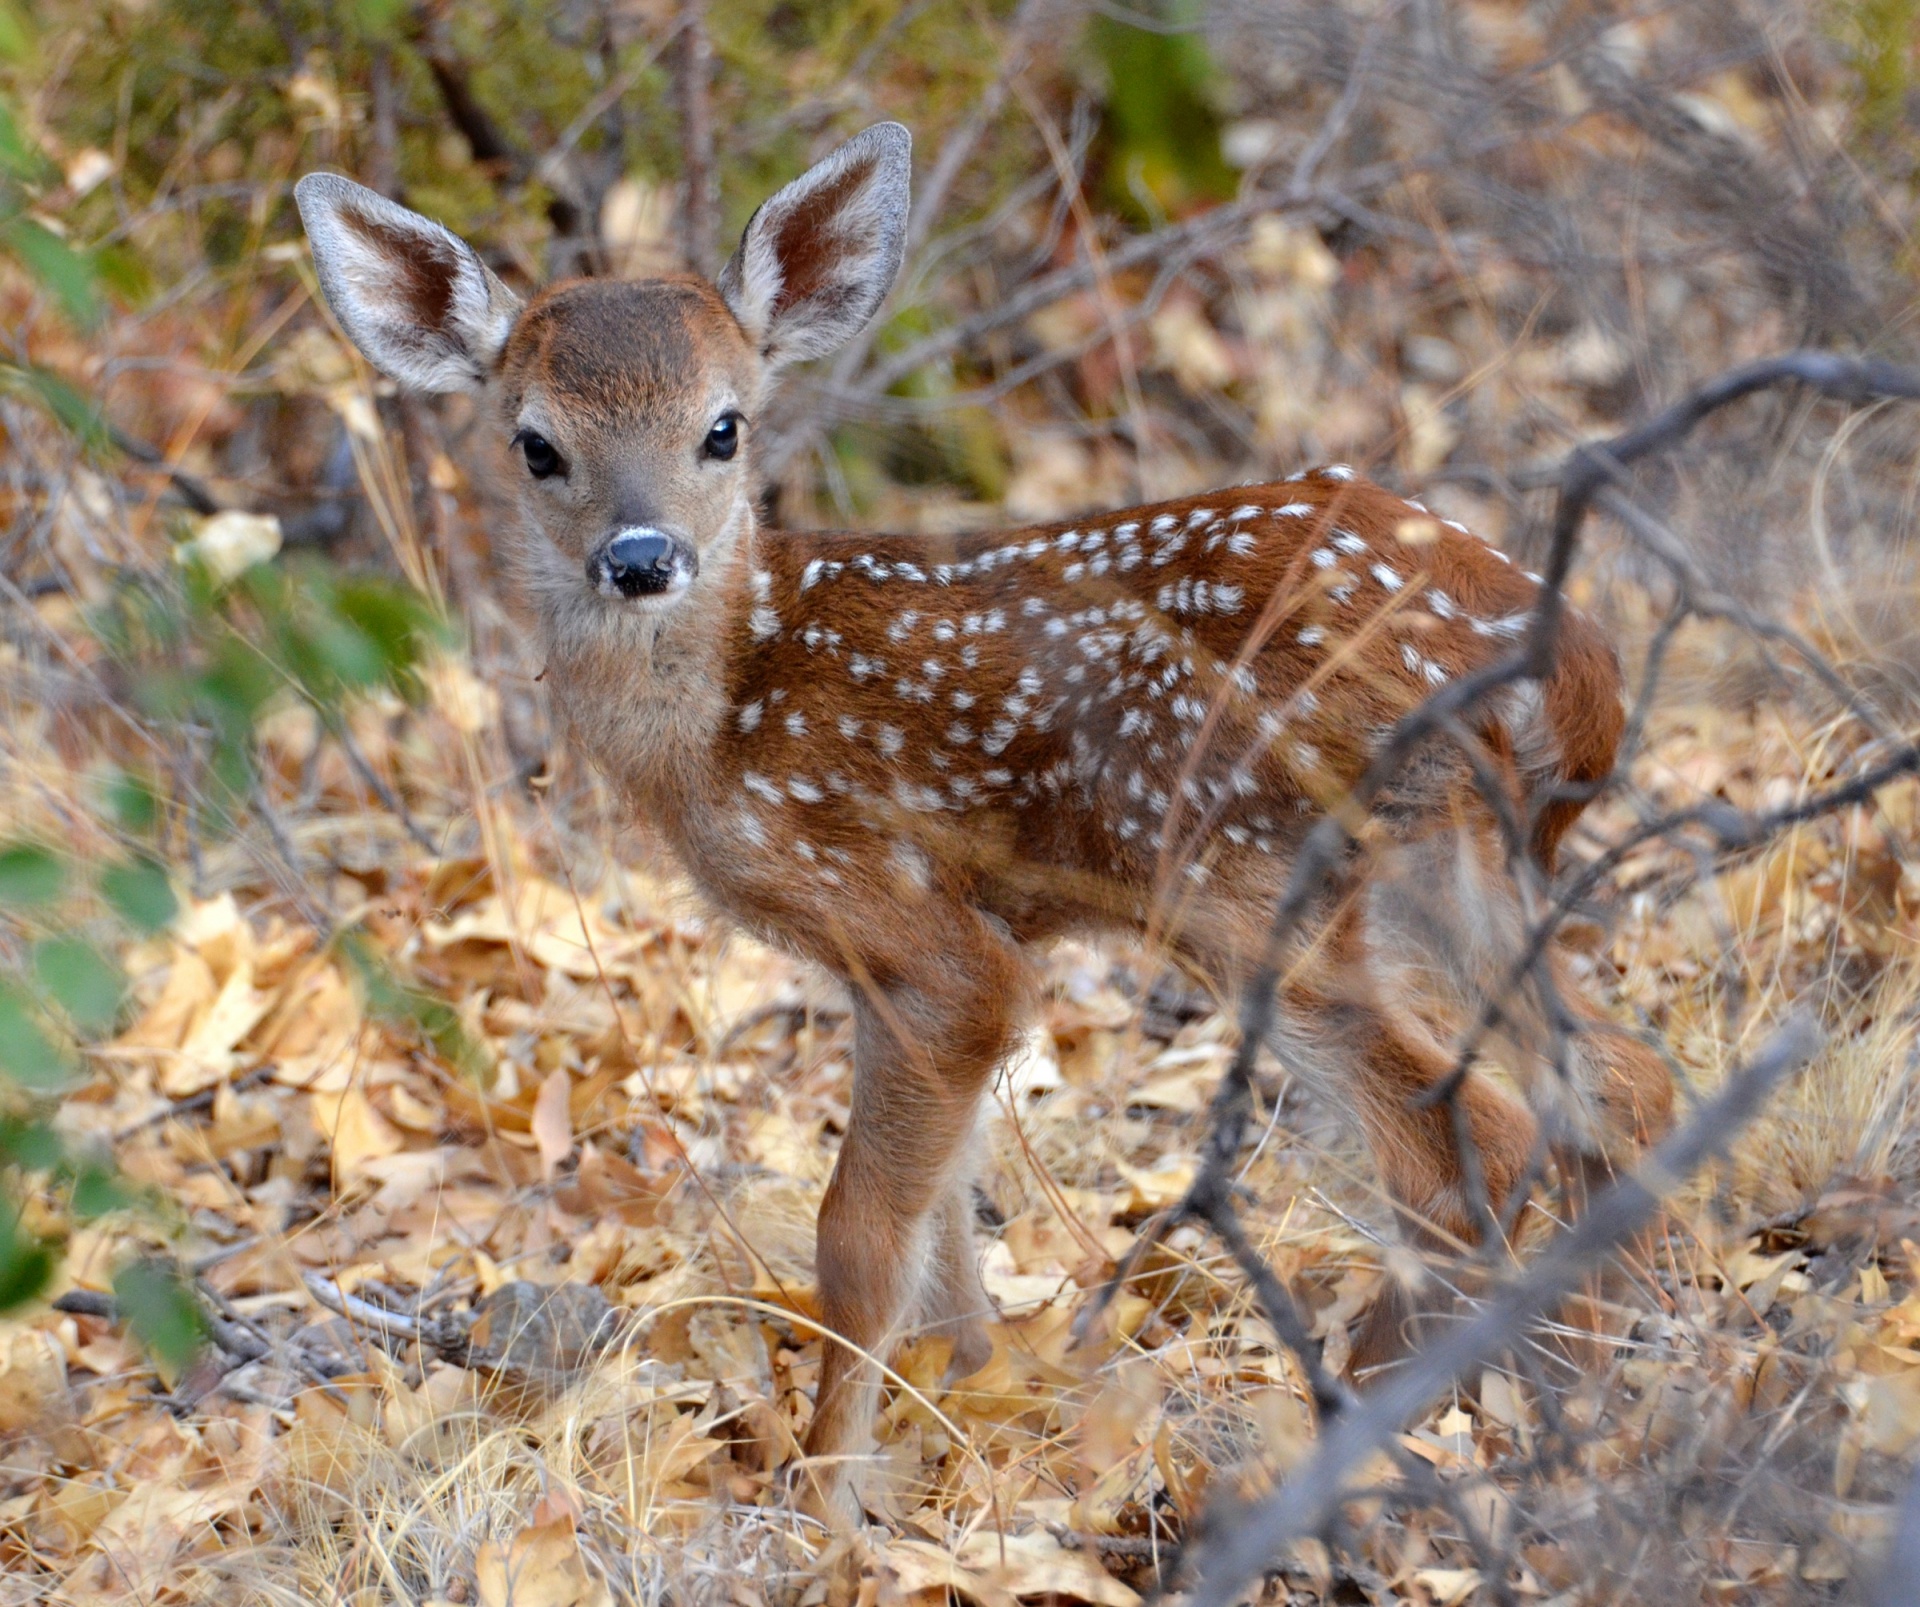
{"x": 911, "y": 758}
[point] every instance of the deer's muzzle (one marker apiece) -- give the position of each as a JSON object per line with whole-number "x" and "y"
{"x": 640, "y": 562}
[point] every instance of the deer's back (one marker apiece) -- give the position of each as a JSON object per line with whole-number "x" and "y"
{"x": 1053, "y": 720}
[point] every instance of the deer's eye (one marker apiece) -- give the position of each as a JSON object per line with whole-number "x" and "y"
{"x": 723, "y": 440}
{"x": 542, "y": 460}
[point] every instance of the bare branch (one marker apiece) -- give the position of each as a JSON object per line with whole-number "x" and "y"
{"x": 699, "y": 174}
{"x": 1902, "y": 1567}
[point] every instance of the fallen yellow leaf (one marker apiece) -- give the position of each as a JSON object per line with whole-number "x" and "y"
{"x": 539, "y": 1567}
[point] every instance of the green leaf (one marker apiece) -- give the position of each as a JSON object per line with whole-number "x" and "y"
{"x": 394, "y": 1000}
{"x": 123, "y": 273}
{"x": 84, "y": 982}
{"x": 1162, "y": 88}
{"x": 17, "y": 153}
{"x": 161, "y": 1310}
{"x": 26, "y": 1264}
{"x": 395, "y": 618}
{"x": 31, "y": 1146}
{"x": 98, "y": 1190}
{"x": 78, "y": 415}
{"x": 30, "y": 875}
{"x": 13, "y": 33}
{"x": 347, "y": 653}
{"x": 64, "y": 271}
{"x": 378, "y": 19}
{"x": 140, "y": 894}
{"x": 27, "y": 1053}
{"x": 133, "y": 801}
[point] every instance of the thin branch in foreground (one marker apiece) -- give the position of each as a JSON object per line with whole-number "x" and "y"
{"x": 1901, "y": 1570}
{"x": 1250, "y": 1541}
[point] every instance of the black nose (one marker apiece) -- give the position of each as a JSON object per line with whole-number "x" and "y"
{"x": 638, "y": 563}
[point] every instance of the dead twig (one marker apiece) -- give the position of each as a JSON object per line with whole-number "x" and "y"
{"x": 194, "y": 1103}
{"x": 1897, "y": 1574}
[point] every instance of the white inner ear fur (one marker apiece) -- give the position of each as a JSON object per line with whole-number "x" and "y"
{"x": 800, "y": 284}
{"x": 415, "y": 299}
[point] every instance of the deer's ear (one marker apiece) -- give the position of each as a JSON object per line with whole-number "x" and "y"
{"x": 818, "y": 258}
{"x": 416, "y": 300}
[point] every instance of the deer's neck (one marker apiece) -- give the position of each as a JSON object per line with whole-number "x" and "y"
{"x": 645, "y": 694}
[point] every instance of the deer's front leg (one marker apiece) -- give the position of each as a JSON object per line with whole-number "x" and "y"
{"x": 925, "y": 1047}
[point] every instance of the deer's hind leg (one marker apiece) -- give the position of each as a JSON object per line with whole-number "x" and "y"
{"x": 955, "y": 1302}
{"x": 1373, "y": 1035}
{"x": 1451, "y": 923}
{"x": 1452, "y": 915}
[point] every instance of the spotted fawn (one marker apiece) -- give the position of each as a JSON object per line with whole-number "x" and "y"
{"x": 911, "y": 759}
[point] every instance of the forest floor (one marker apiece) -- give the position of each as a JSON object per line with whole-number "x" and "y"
{"x": 620, "y": 1189}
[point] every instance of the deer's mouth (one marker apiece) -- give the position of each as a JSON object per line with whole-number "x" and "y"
{"x": 641, "y": 562}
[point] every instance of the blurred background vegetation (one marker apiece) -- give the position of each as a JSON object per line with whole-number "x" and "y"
{"x": 251, "y": 639}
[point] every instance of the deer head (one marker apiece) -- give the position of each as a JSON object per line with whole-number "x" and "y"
{"x": 629, "y": 405}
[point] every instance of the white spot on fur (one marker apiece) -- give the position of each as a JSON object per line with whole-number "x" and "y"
{"x": 1509, "y": 625}
{"x": 913, "y": 864}
{"x": 921, "y": 800}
